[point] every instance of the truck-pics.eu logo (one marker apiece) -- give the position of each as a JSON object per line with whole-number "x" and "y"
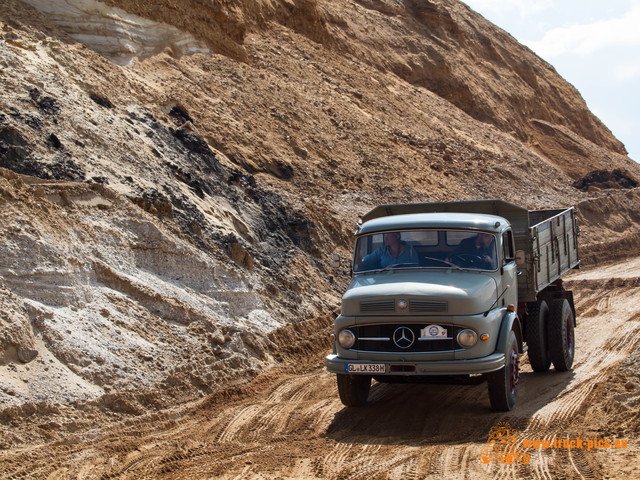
{"x": 502, "y": 446}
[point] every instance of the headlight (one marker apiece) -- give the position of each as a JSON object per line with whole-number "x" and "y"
{"x": 346, "y": 338}
{"x": 467, "y": 338}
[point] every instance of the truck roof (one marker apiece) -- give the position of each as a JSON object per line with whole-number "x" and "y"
{"x": 495, "y": 207}
{"x": 518, "y": 217}
{"x": 475, "y": 221}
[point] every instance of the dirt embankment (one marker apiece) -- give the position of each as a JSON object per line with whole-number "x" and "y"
{"x": 610, "y": 226}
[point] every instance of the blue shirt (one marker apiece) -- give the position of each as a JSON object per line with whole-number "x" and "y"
{"x": 382, "y": 258}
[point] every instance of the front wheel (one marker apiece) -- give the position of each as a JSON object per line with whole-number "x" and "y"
{"x": 503, "y": 384}
{"x": 561, "y": 335}
{"x": 353, "y": 389}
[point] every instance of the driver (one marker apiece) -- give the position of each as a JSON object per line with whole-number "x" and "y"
{"x": 393, "y": 252}
{"x": 482, "y": 246}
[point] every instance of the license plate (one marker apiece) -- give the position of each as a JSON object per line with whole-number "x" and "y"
{"x": 364, "y": 368}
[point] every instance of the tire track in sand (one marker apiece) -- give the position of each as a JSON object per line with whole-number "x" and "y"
{"x": 589, "y": 373}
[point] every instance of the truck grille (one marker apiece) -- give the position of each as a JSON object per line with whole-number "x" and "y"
{"x": 389, "y": 305}
{"x": 428, "y": 306}
{"x": 379, "y": 338}
{"x": 378, "y": 306}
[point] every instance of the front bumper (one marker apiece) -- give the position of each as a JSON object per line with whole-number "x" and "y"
{"x": 487, "y": 364}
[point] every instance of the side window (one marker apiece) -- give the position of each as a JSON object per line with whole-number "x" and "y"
{"x": 507, "y": 247}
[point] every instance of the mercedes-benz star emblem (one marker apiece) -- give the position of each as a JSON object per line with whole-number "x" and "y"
{"x": 403, "y": 337}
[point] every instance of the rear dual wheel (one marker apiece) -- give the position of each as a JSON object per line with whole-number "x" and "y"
{"x": 561, "y": 335}
{"x": 550, "y": 335}
{"x": 537, "y": 323}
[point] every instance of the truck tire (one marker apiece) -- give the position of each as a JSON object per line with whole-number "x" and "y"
{"x": 537, "y": 327}
{"x": 353, "y": 389}
{"x": 503, "y": 383}
{"x": 561, "y": 335}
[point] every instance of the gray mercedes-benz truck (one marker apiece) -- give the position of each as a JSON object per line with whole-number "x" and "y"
{"x": 456, "y": 290}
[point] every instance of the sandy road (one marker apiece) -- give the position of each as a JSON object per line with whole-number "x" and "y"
{"x": 289, "y": 424}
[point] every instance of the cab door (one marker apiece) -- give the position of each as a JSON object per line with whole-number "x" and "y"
{"x": 508, "y": 270}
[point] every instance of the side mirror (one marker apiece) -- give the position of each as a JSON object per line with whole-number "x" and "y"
{"x": 335, "y": 261}
{"x": 520, "y": 257}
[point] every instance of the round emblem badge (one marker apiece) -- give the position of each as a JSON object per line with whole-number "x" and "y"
{"x": 403, "y": 337}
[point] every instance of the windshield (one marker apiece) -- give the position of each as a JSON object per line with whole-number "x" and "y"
{"x": 426, "y": 249}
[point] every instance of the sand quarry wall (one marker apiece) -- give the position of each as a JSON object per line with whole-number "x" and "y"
{"x": 171, "y": 196}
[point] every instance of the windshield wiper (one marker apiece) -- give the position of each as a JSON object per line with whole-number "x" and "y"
{"x": 401, "y": 265}
{"x": 453, "y": 265}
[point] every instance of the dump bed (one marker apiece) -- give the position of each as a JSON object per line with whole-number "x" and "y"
{"x": 548, "y": 238}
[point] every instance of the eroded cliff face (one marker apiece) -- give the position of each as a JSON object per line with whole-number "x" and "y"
{"x": 440, "y": 45}
{"x": 115, "y": 33}
{"x": 170, "y": 201}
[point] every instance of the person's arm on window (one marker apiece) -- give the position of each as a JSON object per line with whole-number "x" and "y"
{"x": 371, "y": 261}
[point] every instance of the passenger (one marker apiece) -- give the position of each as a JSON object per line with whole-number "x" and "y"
{"x": 393, "y": 252}
{"x": 477, "y": 251}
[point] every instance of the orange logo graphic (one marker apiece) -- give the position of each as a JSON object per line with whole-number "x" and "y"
{"x": 502, "y": 446}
